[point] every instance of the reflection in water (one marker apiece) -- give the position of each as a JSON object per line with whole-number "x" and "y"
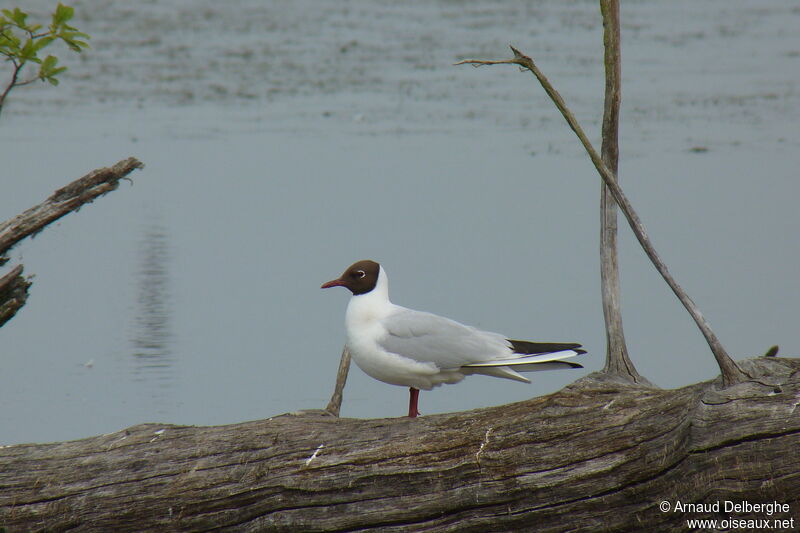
{"x": 152, "y": 335}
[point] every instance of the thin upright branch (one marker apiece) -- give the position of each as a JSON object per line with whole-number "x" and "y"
{"x": 335, "y": 405}
{"x": 731, "y": 373}
{"x": 618, "y": 361}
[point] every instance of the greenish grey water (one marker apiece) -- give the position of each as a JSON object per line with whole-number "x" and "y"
{"x": 283, "y": 141}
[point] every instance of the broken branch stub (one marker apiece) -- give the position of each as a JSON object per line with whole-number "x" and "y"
{"x": 13, "y": 293}
{"x": 65, "y": 200}
{"x": 13, "y": 287}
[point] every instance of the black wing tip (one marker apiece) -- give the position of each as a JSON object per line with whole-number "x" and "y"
{"x": 533, "y": 348}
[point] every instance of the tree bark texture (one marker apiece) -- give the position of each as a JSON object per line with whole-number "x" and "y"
{"x": 599, "y": 455}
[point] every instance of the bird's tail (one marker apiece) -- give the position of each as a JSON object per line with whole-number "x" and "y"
{"x": 530, "y": 357}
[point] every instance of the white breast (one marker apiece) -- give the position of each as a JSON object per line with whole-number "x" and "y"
{"x": 364, "y": 325}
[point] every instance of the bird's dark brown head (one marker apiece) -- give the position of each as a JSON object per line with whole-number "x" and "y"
{"x": 360, "y": 277}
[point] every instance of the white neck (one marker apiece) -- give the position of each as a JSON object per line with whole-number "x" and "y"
{"x": 371, "y": 305}
{"x": 381, "y": 290}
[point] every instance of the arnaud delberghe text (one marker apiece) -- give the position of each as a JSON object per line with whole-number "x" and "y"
{"x": 728, "y": 506}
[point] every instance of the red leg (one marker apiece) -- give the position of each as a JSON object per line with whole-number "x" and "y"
{"x": 412, "y": 402}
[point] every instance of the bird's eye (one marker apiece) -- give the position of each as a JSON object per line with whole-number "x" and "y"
{"x": 359, "y": 273}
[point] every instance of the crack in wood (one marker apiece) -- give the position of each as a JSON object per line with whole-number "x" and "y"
{"x": 743, "y": 440}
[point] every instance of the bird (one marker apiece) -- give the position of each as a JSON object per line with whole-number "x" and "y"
{"x": 421, "y": 350}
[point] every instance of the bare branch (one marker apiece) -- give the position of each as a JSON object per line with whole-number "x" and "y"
{"x": 13, "y": 83}
{"x": 479, "y": 63}
{"x": 731, "y": 373}
{"x": 65, "y": 200}
{"x": 27, "y": 82}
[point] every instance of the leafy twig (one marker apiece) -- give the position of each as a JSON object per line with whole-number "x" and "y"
{"x": 21, "y": 42}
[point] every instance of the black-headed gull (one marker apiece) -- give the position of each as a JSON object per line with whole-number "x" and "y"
{"x": 421, "y": 350}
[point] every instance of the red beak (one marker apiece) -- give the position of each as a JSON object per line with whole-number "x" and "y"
{"x": 333, "y": 283}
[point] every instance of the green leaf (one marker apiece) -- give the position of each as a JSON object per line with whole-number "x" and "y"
{"x": 71, "y": 39}
{"x": 28, "y": 51}
{"x": 17, "y": 16}
{"x": 43, "y": 42}
{"x": 48, "y": 69}
{"x": 49, "y": 63}
{"x": 62, "y": 14}
{"x": 49, "y": 74}
{"x": 74, "y": 45}
{"x": 72, "y": 35}
{"x": 10, "y": 42}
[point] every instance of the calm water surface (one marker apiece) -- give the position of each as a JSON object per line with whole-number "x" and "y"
{"x": 284, "y": 140}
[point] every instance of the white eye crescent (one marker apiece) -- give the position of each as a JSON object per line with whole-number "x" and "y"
{"x": 360, "y": 273}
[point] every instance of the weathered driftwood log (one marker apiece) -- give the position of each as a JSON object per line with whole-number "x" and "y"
{"x": 13, "y": 293}
{"x": 597, "y": 456}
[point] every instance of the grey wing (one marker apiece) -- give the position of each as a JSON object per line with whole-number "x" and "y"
{"x": 426, "y": 337}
